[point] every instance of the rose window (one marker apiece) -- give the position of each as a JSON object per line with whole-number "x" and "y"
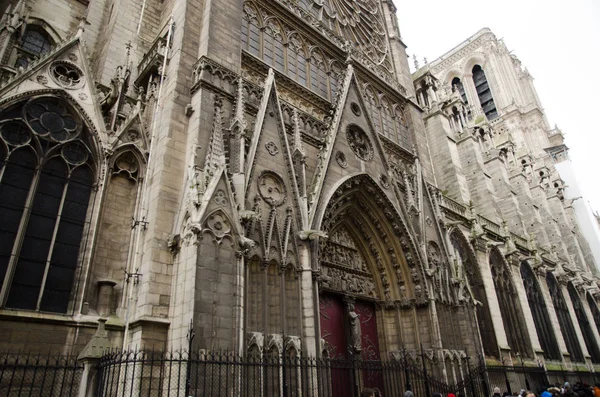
{"x": 66, "y": 74}
{"x": 358, "y": 21}
{"x": 52, "y": 119}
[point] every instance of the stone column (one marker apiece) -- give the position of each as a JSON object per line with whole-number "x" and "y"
{"x": 309, "y": 295}
{"x": 490, "y": 293}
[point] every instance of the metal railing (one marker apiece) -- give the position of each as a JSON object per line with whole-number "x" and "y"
{"x": 224, "y": 374}
{"x": 39, "y": 375}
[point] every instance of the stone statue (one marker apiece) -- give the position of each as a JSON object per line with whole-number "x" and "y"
{"x": 354, "y": 329}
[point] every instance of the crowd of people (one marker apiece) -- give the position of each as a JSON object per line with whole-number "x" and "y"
{"x": 567, "y": 390}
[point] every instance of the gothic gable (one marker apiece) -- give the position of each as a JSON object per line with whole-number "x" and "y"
{"x": 64, "y": 71}
{"x": 271, "y": 188}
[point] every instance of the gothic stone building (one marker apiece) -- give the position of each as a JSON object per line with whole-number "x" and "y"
{"x": 270, "y": 173}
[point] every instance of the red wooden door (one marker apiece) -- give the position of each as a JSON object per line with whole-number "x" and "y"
{"x": 335, "y": 332}
{"x": 369, "y": 343}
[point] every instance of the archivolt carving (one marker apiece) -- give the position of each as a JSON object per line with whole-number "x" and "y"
{"x": 352, "y": 200}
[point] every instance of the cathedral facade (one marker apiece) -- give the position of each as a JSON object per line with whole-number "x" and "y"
{"x": 270, "y": 175}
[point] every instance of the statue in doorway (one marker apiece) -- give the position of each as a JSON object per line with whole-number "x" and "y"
{"x": 355, "y": 343}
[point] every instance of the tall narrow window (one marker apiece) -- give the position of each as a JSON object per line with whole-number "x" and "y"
{"x": 273, "y": 50}
{"x": 541, "y": 319}
{"x": 45, "y": 189}
{"x": 484, "y": 93}
{"x": 251, "y": 31}
{"x": 584, "y": 324}
{"x": 318, "y": 75}
{"x": 34, "y": 43}
{"x": 510, "y": 308}
{"x": 387, "y": 122}
{"x": 484, "y": 317}
{"x": 461, "y": 89}
{"x": 564, "y": 319}
{"x": 297, "y": 60}
{"x": 595, "y": 311}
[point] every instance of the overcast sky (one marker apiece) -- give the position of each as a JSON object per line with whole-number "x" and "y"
{"x": 558, "y": 41}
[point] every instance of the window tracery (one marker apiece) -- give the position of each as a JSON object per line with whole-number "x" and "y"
{"x": 584, "y": 324}
{"x": 564, "y": 319}
{"x": 541, "y": 319}
{"x": 267, "y": 38}
{"x": 467, "y": 264}
{"x": 35, "y": 42}
{"x": 510, "y": 309}
{"x": 46, "y": 182}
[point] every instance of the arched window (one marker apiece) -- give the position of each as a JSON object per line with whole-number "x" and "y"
{"x": 484, "y": 93}
{"x": 404, "y": 137}
{"x": 484, "y": 317}
{"x": 387, "y": 122}
{"x": 564, "y": 319}
{"x": 34, "y": 43}
{"x": 541, "y": 319}
{"x": 593, "y": 308}
{"x": 45, "y": 187}
{"x": 373, "y": 106}
{"x": 510, "y": 308}
{"x": 318, "y": 75}
{"x": 461, "y": 89}
{"x": 297, "y": 60}
{"x": 273, "y": 50}
{"x": 584, "y": 324}
{"x": 251, "y": 31}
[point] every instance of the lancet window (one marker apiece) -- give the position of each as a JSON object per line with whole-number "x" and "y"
{"x": 541, "y": 319}
{"x": 484, "y": 93}
{"x": 46, "y": 184}
{"x": 466, "y": 262}
{"x": 584, "y": 324}
{"x": 288, "y": 52}
{"x": 458, "y": 85}
{"x": 595, "y": 310}
{"x": 512, "y": 317}
{"x": 564, "y": 319}
{"x": 388, "y": 119}
{"x": 33, "y": 44}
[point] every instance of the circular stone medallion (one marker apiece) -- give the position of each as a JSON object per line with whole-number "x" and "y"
{"x": 271, "y": 188}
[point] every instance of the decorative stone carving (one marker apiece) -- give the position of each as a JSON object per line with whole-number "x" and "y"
{"x": 72, "y": 57}
{"x": 271, "y": 188}
{"x": 274, "y": 341}
{"x": 359, "y": 142}
{"x": 256, "y": 339}
{"x": 66, "y": 75}
{"x": 340, "y": 158}
{"x": 272, "y": 148}
{"x": 220, "y": 198}
{"x": 384, "y": 180}
{"x": 219, "y": 225}
{"x": 42, "y": 79}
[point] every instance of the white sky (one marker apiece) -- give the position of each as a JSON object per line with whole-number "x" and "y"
{"x": 557, "y": 40}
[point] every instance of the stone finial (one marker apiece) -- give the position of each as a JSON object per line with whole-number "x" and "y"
{"x": 416, "y": 61}
{"x": 98, "y": 345}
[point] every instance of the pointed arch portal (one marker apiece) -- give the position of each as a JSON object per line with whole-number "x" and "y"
{"x": 367, "y": 263}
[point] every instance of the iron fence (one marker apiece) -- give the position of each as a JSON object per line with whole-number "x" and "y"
{"x": 573, "y": 377}
{"x": 39, "y": 375}
{"x": 152, "y": 374}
